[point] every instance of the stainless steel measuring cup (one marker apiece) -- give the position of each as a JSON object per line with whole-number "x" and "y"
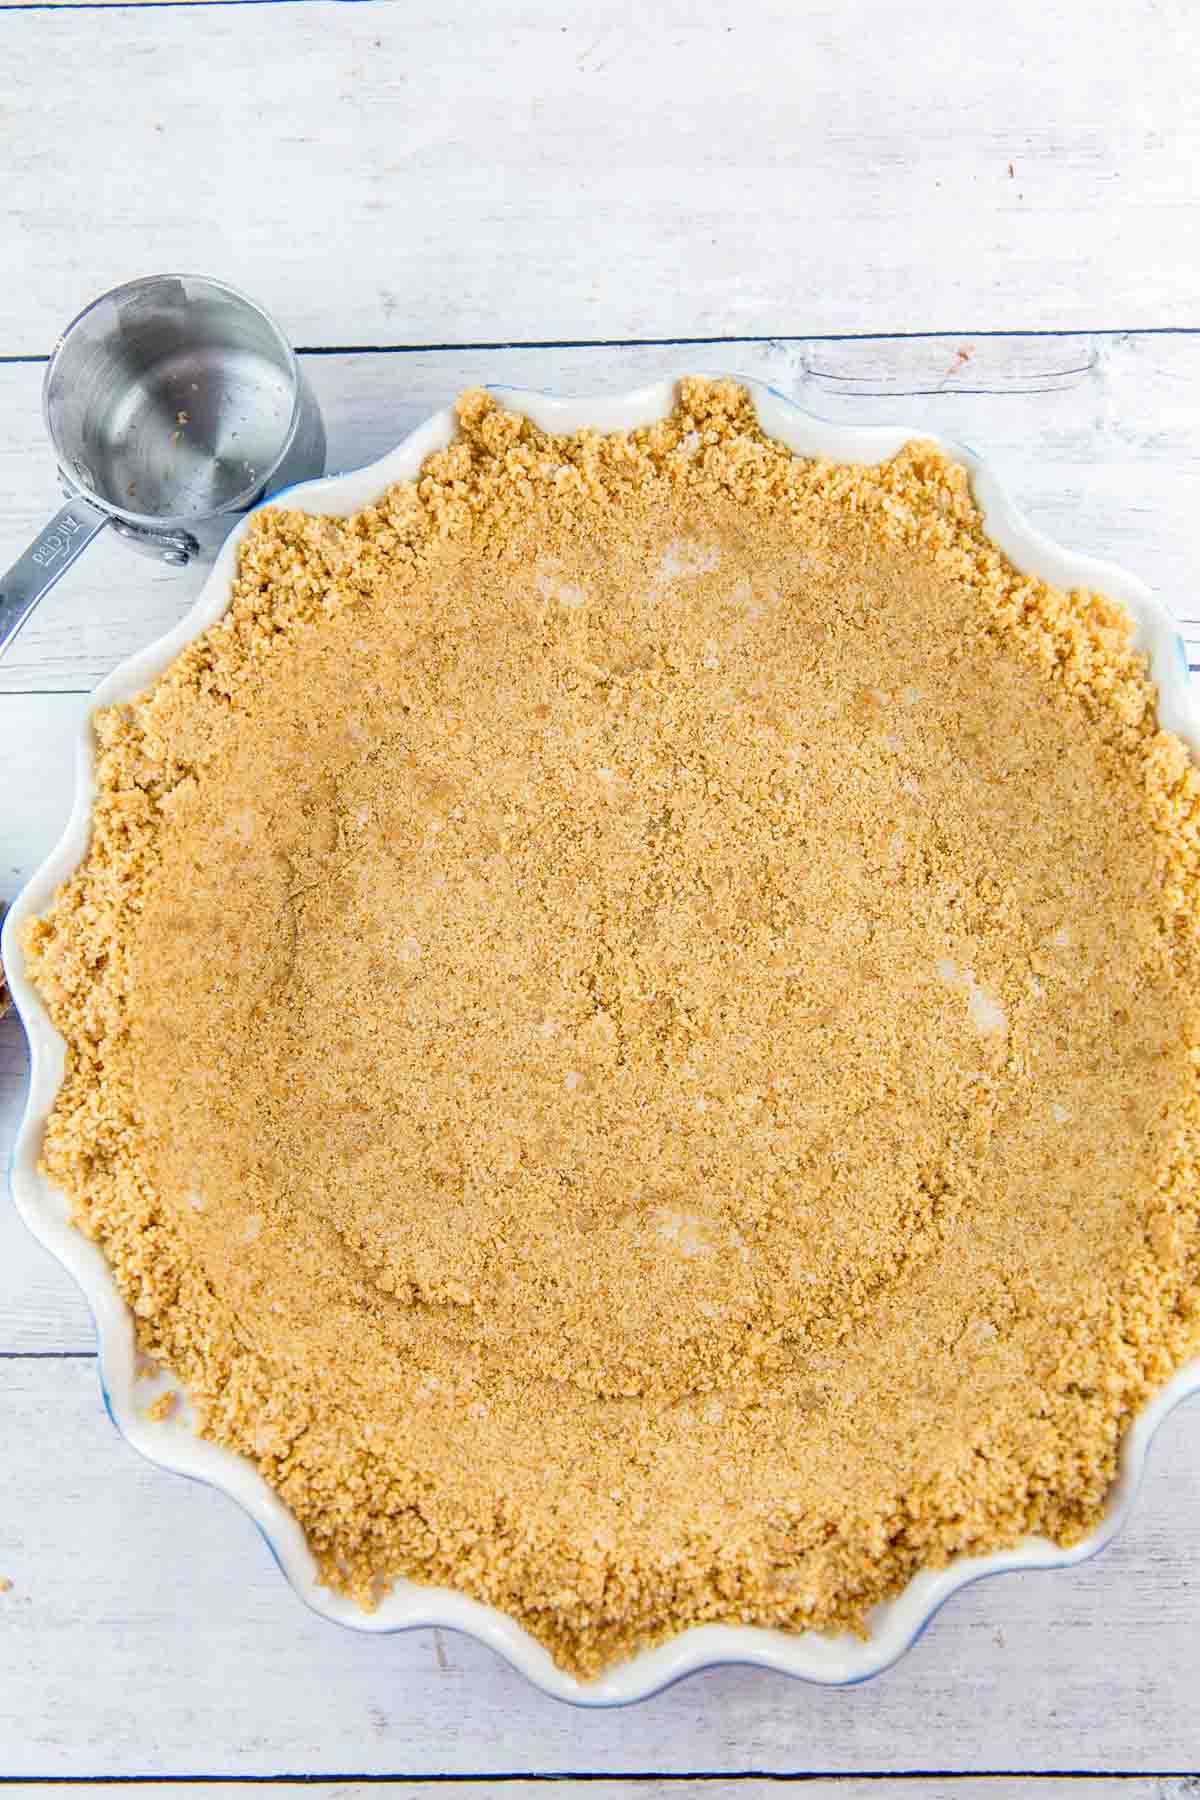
{"x": 173, "y": 404}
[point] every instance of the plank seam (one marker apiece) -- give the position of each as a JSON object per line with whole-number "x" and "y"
{"x": 148, "y": 5}
{"x": 763, "y": 337}
{"x": 650, "y": 343}
{"x": 501, "y": 1778}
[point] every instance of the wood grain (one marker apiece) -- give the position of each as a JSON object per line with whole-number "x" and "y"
{"x": 464, "y": 173}
{"x": 148, "y": 1632}
{"x": 1095, "y": 436}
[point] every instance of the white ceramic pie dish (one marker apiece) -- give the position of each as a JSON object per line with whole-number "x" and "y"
{"x": 831, "y": 1660}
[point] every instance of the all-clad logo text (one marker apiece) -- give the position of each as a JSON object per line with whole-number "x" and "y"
{"x": 56, "y": 543}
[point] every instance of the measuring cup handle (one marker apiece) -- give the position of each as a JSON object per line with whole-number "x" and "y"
{"x": 52, "y": 551}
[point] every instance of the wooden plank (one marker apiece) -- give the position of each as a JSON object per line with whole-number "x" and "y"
{"x": 40, "y": 1307}
{"x": 37, "y": 754}
{"x": 147, "y": 1632}
{"x": 525, "y": 171}
{"x": 1095, "y": 436}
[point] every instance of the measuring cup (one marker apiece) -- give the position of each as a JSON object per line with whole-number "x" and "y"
{"x": 173, "y": 404}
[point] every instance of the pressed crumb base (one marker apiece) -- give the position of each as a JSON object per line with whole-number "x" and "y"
{"x": 631, "y": 1030}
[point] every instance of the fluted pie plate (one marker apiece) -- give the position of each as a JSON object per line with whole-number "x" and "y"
{"x": 171, "y": 1442}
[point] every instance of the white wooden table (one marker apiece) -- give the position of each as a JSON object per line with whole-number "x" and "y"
{"x": 981, "y": 219}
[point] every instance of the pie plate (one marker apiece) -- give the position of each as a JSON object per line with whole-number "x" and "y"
{"x": 829, "y": 1659}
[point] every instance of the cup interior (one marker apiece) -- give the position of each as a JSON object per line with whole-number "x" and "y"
{"x": 173, "y": 398}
